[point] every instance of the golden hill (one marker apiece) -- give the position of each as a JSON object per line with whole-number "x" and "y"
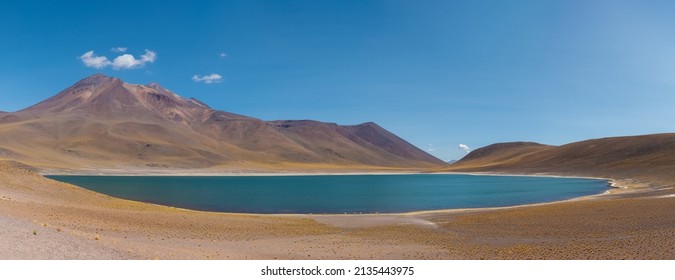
{"x": 645, "y": 156}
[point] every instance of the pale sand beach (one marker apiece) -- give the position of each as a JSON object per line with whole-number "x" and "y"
{"x": 45, "y": 219}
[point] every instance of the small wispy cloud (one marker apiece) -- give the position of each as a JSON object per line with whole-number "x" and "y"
{"x": 430, "y": 148}
{"x": 119, "y": 49}
{"x": 464, "y": 148}
{"x": 222, "y": 55}
{"x": 208, "y": 79}
{"x": 149, "y": 56}
{"x": 124, "y": 61}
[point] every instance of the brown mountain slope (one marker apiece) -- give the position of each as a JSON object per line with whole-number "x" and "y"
{"x": 642, "y": 156}
{"x": 103, "y": 122}
{"x": 495, "y": 154}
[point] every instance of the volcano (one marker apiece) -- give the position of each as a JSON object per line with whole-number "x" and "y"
{"x": 103, "y": 122}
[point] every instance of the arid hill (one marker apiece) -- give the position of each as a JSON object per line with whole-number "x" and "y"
{"x": 645, "y": 156}
{"x": 103, "y": 122}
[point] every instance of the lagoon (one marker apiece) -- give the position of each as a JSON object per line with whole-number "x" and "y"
{"x": 338, "y": 194}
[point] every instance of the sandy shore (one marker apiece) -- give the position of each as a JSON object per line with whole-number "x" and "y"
{"x": 45, "y": 219}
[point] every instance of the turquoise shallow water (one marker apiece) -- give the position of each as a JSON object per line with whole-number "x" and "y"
{"x": 338, "y": 193}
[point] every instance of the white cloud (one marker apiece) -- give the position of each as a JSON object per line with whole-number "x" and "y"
{"x": 222, "y": 55}
{"x": 149, "y": 56}
{"x": 91, "y": 60}
{"x": 464, "y": 148}
{"x": 119, "y": 49}
{"x": 208, "y": 79}
{"x": 127, "y": 61}
{"x": 124, "y": 61}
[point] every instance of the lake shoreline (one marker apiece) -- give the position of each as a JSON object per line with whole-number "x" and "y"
{"x": 615, "y": 186}
{"x": 609, "y": 188}
{"x": 46, "y": 219}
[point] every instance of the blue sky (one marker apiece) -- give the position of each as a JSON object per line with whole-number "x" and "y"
{"x": 437, "y": 73}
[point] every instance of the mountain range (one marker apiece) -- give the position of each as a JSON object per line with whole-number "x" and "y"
{"x": 103, "y": 122}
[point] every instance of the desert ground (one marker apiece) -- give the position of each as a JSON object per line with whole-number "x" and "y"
{"x": 45, "y": 219}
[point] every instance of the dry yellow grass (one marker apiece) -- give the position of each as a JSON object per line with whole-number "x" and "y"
{"x": 649, "y": 158}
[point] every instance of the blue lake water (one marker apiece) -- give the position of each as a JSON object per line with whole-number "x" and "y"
{"x": 338, "y": 193}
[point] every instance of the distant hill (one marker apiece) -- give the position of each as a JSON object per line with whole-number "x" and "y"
{"x": 631, "y": 156}
{"x": 103, "y": 122}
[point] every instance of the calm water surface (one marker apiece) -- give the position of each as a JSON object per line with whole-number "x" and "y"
{"x": 337, "y": 193}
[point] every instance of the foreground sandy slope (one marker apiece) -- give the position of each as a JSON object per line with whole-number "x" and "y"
{"x": 44, "y": 219}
